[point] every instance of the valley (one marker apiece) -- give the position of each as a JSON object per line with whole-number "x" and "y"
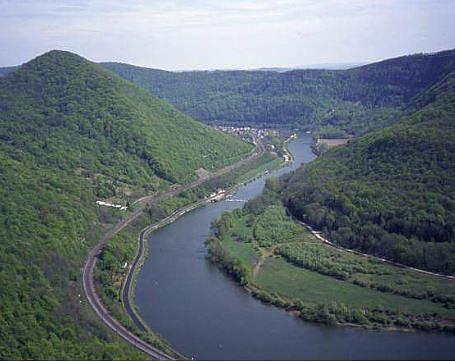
{"x": 91, "y": 158}
{"x": 227, "y": 180}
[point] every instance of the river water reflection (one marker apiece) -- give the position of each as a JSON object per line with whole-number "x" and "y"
{"x": 205, "y": 315}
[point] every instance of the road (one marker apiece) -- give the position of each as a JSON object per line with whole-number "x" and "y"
{"x": 318, "y": 235}
{"x": 88, "y": 284}
{"x": 112, "y": 323}
{"x": 127, "y": 285}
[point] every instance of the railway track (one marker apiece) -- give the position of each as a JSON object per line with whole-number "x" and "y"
{"x": 88, "y": 285}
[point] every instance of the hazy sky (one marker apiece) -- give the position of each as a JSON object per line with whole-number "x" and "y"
{"x": 209, "y": 34}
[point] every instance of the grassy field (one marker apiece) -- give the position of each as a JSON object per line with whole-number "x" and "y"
{"x": 284, "y": 264}
{"x": 283, "y": 278}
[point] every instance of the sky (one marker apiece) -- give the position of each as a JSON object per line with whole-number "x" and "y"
{"x": 225, "y": 34}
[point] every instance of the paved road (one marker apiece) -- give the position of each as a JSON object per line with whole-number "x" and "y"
{"x": 129, "y": 278}
{"x": 318, "y": 235}
{"x": 92, "y": 297}
{"x": 87, "y": 274}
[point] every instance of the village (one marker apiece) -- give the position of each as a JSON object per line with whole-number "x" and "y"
{"x": 249, "y": 133}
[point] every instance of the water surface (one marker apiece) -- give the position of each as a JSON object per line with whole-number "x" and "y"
{"x": 205, "y": 315}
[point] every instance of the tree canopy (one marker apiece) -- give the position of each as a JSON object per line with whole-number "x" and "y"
{"x": 71, "y": 133}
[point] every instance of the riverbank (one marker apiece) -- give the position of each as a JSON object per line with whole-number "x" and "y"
{"x": 111, "y": 286}
{"x": 128, "y": 287}
{"x": 204, "y": 314}
{"x": 281, "y": 263}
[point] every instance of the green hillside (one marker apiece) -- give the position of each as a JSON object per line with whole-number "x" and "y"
{"x": 72, "y": 133}
{"x": 392, "y": 192}
{"x": 354, "y": 101}
{"x": 102, "y": 123}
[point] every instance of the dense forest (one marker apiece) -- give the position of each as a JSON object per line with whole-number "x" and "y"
{"x": 91, "y": 113}
{"x": 354, "y": 101}
{"x": 392, "y": 192}
{"x": 72, "y": 133}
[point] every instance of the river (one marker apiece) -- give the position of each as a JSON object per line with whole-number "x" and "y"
{"x": 205, "y": 315}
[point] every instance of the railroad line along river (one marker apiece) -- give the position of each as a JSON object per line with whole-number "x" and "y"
{"x": 205, "y": 315}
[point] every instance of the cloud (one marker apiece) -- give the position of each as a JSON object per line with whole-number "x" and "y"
{"x": 225, "y": 33}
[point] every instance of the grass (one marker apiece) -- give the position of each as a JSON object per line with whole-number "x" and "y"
{"x": 279, "y": 276}
{"x": 300, "y": 272}
{"x": 235, "y": 245}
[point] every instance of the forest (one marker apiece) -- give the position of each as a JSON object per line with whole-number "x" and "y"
{"x": 354, "y": 101}
{"x": 72, "y": 133}
{"x": 392, "y": 192}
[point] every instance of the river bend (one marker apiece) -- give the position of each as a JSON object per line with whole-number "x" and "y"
{"x": 205, "y": 315}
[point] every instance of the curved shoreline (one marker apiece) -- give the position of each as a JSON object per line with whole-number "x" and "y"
{"x": 88, "y": 285}
{"x": 127, "y": 290}
{"x": 128, "y": 286}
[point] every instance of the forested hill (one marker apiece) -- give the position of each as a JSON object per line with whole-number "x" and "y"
{"x": 391, "y": 192}
{"x": 353, "y": 101}
{"x": 394, "y": 82}
{"x": 69, "y": 113}
{"x": 72, "y": 133}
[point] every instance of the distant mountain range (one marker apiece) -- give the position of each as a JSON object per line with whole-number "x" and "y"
{"x": 6, "y": 70}
{"x": 332, "y": 102}
{"x": 328, "y": 66}
{"x": 339, "y": 102}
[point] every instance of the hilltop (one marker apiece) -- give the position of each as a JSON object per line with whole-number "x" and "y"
{"x": 105, "y": 124}
{"x": 73, "y": 133}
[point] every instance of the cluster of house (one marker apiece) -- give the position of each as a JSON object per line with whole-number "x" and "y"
{"x": 116, "y": 206}
{"x": 249, "y": 131}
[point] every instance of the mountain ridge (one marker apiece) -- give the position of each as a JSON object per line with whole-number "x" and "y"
{"x": 354, "y": 101}
{"x": 331, "y": 102}
{"x": 73, "y": 133}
